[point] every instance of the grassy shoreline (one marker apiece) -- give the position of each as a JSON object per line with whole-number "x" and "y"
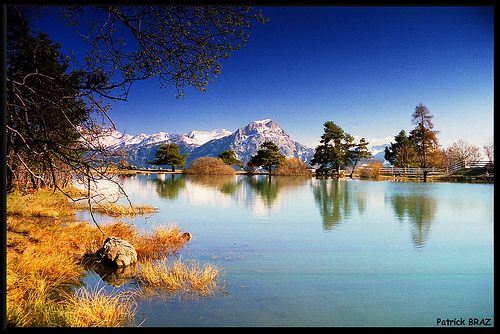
{"x": 47, "y": 256}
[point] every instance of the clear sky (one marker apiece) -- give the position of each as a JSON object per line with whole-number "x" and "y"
{"x": 364, "y": 68}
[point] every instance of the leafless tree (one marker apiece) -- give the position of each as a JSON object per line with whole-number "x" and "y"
{"x": 463, "y": 153}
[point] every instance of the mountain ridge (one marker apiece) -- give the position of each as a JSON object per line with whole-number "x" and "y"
{"x": 245, "y": 142}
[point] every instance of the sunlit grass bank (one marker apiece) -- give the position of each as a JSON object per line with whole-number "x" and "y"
{"x": 47, "y": 259}
{"x": 121, "y": 211}
{"x": 41, "y": 203}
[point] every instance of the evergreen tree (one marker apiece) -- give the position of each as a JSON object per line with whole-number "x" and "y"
{"x": 360, "y": 152}
{"x": 229, "y": 158}
{"x": 401, "y": 153}
{"x": 268, "y": 156}
{"x": 333, "y": 148}
{"x": 169, "y": 154}
{"x": 44, "y": 112}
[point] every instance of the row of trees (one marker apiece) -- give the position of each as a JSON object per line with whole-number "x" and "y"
{"x": 268, "y": 157}
{"x": 420, "y": 148}
{"x": 169, "y": 154}
{"x": 338, "y": 149}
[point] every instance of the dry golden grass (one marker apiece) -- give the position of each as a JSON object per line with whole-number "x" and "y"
{"x": 122, "y": 211}
{"x": 44, "y": 265}
{"x": 40, "y": 203}
{"x": 162, "y": 241}
{"x": 185, "y": 278}
{"x": 96, "y": 308}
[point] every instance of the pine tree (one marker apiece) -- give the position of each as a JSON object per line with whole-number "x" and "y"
{"x": 268, "y": 156}
{"x": 229, "y": 158}
{"x": 169, "y": 154}
{"x": 401, "y": 153}
{"x": 334, "y": 148}
{"x": 360, "y": 152}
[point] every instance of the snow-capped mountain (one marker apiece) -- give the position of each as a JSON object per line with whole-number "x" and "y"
{"x": 378, "y": 152}
{"x": 245, "y": 142}
{"x": 115, "y": 139}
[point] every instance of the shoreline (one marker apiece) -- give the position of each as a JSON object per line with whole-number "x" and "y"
{"x": 487, "y": 179}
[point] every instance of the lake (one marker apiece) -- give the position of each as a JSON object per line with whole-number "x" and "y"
{"x": 325, "y": 252}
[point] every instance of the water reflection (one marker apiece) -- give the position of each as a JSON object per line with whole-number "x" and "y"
{"x": 420, "y": 210}
{"x": 169, "y": 186}
{"x": 225, "y": 184}
{"x": 268, "y": 187}
{"x": 335, "y": 199}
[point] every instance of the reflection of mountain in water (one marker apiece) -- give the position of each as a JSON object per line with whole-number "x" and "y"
{"x": 335, "y": 199}
{"x": 419, "y": 209}
{"x": 260, "y": 193}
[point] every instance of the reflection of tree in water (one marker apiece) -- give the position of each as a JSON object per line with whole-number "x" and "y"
{"x": 269, "y": 187}
{"x": 170, "y": 186}
{"x": 226, "y": 184}
{"x": 420, "y": 210}
{"x": 335, "y": 199}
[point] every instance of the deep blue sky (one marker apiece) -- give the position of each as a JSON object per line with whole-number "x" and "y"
{"x": 365, "y": 68}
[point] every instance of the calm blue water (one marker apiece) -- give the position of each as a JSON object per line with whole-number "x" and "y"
{"x": 308, "y": 252}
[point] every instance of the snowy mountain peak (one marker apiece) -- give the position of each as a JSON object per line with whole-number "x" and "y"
{"x": 245, "y": 142}
{"x": 264, "y": 127}
{"x": 264, "y": 122}
{"x": 201, "y": 137}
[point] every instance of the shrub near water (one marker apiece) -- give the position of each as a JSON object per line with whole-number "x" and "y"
{"x": 209, "y": 166}
{"x": 371, "y": 171}
{"x": 292, "y": 167}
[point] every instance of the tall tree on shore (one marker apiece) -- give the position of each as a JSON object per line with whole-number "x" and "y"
{"x": 169, "y": 154}
{"x": 45, "y": 113}
{"x": 268, "y": 156}
{"x": 401, "y": 153}
{"x": 424, "y": 137}
{"x": 360, "y": 152}
{"x": 333, "y": 148}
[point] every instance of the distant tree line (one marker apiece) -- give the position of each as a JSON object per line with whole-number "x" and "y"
{"x": 421, "y": 148}
{"x": 338, "y": 150}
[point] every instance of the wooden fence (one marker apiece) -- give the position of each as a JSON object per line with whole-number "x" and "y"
{"x": 435, "y": 170}
{"x": 408, "y": 170}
